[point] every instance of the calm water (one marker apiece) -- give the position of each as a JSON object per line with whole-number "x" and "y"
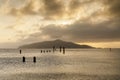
{"x": 76, "y": 64}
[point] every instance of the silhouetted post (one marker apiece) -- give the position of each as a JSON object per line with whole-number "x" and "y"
{"x": 110, "y": 49}
{"x": 49, "y": 50}
{"x": 23, "y": 59}
{"x": 34, "y": 59}
{"x": 63, "y": 50}
{"x": 20, "y": 51}
{"x": 53, "y": 48}
{"x": 41, "y": 51}
{"x": 60, "y": 48}
{"x": 44, "y": 51}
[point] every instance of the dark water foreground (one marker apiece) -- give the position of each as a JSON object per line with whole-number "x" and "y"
{"x": 80, "y": 64}
{"x": 59, "y": 76}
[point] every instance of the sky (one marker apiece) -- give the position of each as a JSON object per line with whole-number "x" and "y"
{"x": 92, "y": 22}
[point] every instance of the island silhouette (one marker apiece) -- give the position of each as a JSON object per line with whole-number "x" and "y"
{"x": 57, "y": 43}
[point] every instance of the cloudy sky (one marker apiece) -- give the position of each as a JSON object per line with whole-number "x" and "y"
{"x": 93, "y": 22}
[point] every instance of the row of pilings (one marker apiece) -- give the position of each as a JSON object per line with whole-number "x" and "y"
{"x": 61, "y": 49}
{"x": 24, "y": 59}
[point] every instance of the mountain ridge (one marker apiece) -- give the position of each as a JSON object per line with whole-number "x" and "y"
{"x": 57, "y": 43}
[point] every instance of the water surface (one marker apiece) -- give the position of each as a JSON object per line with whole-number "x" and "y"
{"x": 75, "y": 64}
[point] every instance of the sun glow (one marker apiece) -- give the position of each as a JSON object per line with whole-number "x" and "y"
{"x": 103, "y": 44}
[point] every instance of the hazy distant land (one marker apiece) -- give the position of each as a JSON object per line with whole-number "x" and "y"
{"x": 56, "y": 43}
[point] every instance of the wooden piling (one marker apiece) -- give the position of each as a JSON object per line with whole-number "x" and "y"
{"x": 34, "y": 59}
{"x": 23, "y": 59}
{"x": 63, "y": 50}
{"x": 60, "y": 48}
{"x": 20, "y": 51}
{"x": 49, "y": 50}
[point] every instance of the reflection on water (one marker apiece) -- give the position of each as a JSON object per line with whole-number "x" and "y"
{"x": 76, "y": 64}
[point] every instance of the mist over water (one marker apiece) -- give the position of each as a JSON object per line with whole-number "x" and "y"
{"x": 75, "y": 64}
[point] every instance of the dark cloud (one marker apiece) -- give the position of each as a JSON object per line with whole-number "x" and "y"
{"x": 35, "y": 37}
{"x": 25, "y": 10}
{"x": 53, "y": 31}
{"x": 53, "y": 9}
{"x": 113, "y": 7}
{"x": 56, "y": 9}
{"x": 28, "y": 9}
{"x": 80, "y": 32}
{"x": 48, "y": 9}
{"x": 75, "y": 4}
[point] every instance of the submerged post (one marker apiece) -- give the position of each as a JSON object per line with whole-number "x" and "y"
{"x": 63, "y": 50}
{"x": 110, "y": 49}
{"x": 60, "y": 48}
{"x": 34, "y": 59}
{"x": 23, "y": 59}
{"x": 44, "y": 51}
{"x": 53, "y": 48}
{"x": 20, "y": 51}
{"x": 49, "y": 50}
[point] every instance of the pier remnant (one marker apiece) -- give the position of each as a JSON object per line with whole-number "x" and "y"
{"x": 34, "y": 59}
{"x": 110, "y": 49}
{"x": 23, "y": 59}
{"x": 20, "y": 51}
{"x": 60, "y": 48}
{"x": 53, "y": 48}
{"x": 63, "y": 50}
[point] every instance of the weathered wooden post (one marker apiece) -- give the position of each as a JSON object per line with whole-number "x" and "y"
{"x": 23, "y": 59}
{"x": 34, "y": 59}
{"x": 53, "y": 48}
{"x": 20, "y": 51}
{"x": 63, "y": 50}
{"x": 60, "y": 48}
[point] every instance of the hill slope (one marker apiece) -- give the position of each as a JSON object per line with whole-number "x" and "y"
{"x": 56, "y": 43}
